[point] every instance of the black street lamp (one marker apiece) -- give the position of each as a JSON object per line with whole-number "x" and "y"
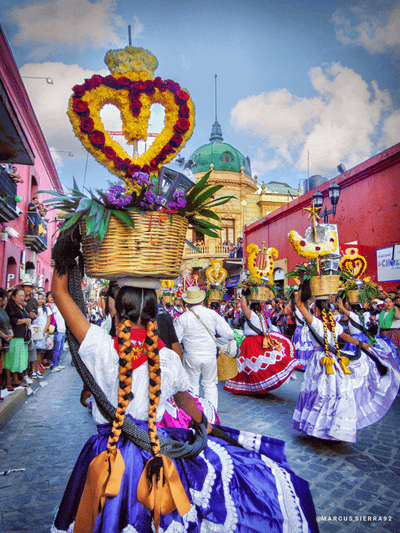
{"x": 333, "y": 195}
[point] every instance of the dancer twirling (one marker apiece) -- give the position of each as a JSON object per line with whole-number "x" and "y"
{"x": 342, "y": 392}
{"x": 266, "y": 358}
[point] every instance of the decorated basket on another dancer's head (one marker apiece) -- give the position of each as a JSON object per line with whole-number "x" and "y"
{"x": 216, "y": 275}
{"x": 261, "y": 267}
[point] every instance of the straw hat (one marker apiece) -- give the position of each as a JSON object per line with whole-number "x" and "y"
{"x": 193, "y": 295}
{"x": 27, "y": 283}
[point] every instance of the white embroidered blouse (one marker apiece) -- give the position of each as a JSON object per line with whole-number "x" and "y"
{"x": 99, "y": 355}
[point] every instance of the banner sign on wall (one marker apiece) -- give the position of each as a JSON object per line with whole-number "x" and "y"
{"x": 388, "y": 263}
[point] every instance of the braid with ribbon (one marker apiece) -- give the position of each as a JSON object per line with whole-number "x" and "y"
{"x": 343, "y": 361}
{"x": 268, "y": 341}
{"x": 125, "y": 382}
{"x": 327, "y": 361}
{"x": 153, "y": 360}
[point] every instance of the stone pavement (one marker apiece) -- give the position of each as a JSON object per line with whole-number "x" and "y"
{"x": 354, "y": 486}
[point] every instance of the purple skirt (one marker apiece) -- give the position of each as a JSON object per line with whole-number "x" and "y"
{"x": 303, "y": 346}
{"x": 335, "y": 406}
{"x": 231, "y": 489}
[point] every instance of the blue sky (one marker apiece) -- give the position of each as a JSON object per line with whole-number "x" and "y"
{"x": 294, "y": 77}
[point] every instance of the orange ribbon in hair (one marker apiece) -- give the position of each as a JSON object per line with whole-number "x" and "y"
{"x": 103, "y": 480}
{"x": 164, "y": 495}
{"x": 269, "y": 343}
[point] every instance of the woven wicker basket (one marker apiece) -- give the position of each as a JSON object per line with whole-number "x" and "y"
{"x": 154, "y": 248}
{"x": 353, "y": 296}
{"x": 215, "y": 295}
{"x": 260, "y": 294}
{"x": 324, "y": 286}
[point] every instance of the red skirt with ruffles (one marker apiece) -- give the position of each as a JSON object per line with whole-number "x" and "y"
{"x": 262, "y": 370}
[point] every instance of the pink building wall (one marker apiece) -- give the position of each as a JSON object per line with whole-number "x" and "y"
{"x": 41, "y": 175}
{"x": 368, "y": 212}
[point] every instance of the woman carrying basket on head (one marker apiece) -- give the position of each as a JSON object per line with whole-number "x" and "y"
{"x": 117, "y": 481}
{"x": 266, "y": 357}
{"x": 342, "y": 392}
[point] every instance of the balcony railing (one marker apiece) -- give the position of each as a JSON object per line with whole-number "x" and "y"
{"x": 212, "y": 249}
{"x": 35, "y": 237}
{"x": 8, "y": 191}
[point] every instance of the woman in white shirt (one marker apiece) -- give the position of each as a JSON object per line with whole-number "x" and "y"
{"x": 341, "y": 395}
{"x": 266, "y": 357}
{"x": 117, "y": 482}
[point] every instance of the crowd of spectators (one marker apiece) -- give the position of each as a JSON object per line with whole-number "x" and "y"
{"x": 32, "y": 335}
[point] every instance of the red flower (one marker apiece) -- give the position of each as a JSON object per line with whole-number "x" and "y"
{"x": 139, "y": 85}
{"x": 118, "y": 163}
{"x": 126, "y": 162}
{"x": 146, "y": 169}
{"x": 181, "y": 96}
{"x": 184, "y": 111}
{"x": 303, "y": 243}
{"x": 123, "y": 82}
{"x": 132, "y": 169}
{"x": 158, "y": 83}
{"x": 172, "y": 85}
{"x": 149, "y": 86}
{"x": 89, "y": 84}
{"x": 134, "y": 93}
{"x": 97, "y": 138}
{"x": 97, "y": 80}
{"x": 317, "y": 248}
{"x": 182, "y": 125}
{"x": 80, "y": 107}
{"x": 154, "y": 164}
{"x": 86, "y": 124}
{"x": 79, "y": 90}
{"x": 176, "y": 140}
{"x": 110, "y": 79}
{"x": 109, "y": 152}
{"x": 135, "y": 107}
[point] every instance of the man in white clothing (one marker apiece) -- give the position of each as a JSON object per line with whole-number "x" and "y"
{"x": 199, "y": 348}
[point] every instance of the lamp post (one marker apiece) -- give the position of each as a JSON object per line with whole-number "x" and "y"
{"x": 171, "y": 181}
{"x": 62, "y": 152}
{"x": 48, "y": 80}
{"x": 333, "y": 194}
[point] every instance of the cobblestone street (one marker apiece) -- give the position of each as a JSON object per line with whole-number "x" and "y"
{"x": 356, "y": 487}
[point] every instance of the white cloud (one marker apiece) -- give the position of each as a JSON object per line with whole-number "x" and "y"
{"x": 338, "y": 125}
{"x": 377, "y": 32}
{"x": 391, "y": 129}
{"x": 57, "y": 157}
{"x": 50, "y": 103}
{"x": 49, "y": 26}
{"x": 260, "y": 165}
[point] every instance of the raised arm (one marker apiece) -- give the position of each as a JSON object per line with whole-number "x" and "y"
{"x": 245, "y": 308}
{"x": 303, "y": 309}
{"x": 73, "y": 316}
{"x": 342, "y": 307}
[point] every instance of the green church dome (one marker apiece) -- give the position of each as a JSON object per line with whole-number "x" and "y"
{"x": 222, "y": 155}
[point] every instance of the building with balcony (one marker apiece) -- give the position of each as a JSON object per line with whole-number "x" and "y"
{"x": 252, "y": 200}
{"x": 26, "y": 167}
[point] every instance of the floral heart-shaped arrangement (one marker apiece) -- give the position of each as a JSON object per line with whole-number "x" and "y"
{"x": 353, "y": 262}
{"x": 261, "y": 264}
{"x": 132, "y": 88}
